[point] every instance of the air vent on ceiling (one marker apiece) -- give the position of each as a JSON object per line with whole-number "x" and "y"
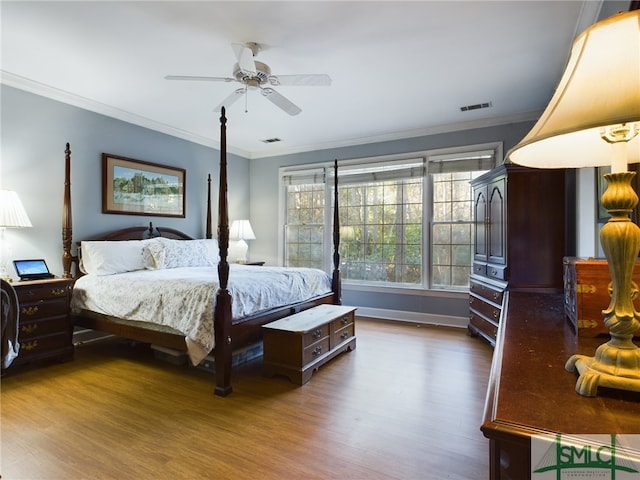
{"x": 476, "y": 106}
{"x": 271, "y": 140}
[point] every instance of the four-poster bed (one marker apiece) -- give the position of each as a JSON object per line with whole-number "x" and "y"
{"x": 229, "y": 333}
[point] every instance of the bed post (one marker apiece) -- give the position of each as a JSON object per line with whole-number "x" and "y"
{"x": 67, "y": 227}
{"x": 336, "y": 282}
{"x": 209, "y": 233}
{"x": 222, "y": 312}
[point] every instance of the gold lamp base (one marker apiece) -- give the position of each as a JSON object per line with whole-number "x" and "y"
{"x": 616, "y": 364}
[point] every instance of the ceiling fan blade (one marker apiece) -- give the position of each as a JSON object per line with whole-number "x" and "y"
{"x": 200, "y": 79}
{"x": 235, "y": 95}
{"x": 244, "y": 55}
{"x": 312, "y": 80}
{"x": 280, "y": 101}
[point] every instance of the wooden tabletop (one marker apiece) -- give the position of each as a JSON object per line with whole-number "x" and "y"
{"x": 529, "y": 389}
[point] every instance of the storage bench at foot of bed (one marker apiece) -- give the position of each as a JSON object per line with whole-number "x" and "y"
{"x": 298, "y": 345}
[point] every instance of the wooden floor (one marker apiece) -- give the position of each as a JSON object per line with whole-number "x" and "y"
{"x": 405, "y": 404}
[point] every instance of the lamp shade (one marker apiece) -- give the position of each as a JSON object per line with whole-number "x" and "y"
{"x": 12, "y": 213}
{"x": 241, "y": 230}
{"x": 600, "y": 87}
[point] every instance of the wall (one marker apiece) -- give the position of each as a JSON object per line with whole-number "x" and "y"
{"x": 34, "y": 133}
{"x": 411, "y": 305}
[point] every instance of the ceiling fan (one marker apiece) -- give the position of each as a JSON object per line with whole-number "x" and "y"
{"x": 257, "y": 75}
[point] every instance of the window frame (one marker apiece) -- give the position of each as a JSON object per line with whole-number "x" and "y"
{"x": 429, "y": 157}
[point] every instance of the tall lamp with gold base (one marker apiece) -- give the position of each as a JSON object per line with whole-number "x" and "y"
{"x": 593, "y": 119}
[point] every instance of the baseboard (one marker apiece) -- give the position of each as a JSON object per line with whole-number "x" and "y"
{"x": 413, "y": 317}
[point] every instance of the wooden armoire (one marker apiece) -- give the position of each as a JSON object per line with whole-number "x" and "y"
{"x": 519, "y": 239}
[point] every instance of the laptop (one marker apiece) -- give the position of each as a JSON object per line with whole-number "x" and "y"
{"x": 32, "y": 269}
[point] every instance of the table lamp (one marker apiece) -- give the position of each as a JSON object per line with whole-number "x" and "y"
{"x": 241, "y": 230}
{"x": 12, "y": 215}
{"x": 593, "y": 119}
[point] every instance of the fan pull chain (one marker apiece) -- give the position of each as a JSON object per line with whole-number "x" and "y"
{"x": 246, "y": 101}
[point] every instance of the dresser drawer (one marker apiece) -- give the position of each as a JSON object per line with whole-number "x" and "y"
{"x": 486, "y": 328}
{"x": 499, "y": 272}
{"x": 493, "y": 294}
{"x": 485, "y": 309}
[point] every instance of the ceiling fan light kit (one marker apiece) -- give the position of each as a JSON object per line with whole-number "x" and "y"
{"x": 255, "y": 75}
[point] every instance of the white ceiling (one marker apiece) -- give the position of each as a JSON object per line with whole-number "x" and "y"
{"x": 398, "y": 69}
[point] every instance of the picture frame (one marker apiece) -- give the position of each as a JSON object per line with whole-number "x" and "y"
{"x": 137, "y": 187}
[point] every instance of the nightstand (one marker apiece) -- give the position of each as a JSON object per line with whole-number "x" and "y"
{"x": 45, "y": 330}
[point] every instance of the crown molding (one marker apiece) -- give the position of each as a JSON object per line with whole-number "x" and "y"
{"x": 22, "y": 83}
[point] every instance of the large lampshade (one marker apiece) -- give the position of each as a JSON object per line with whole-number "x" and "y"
{"x": 593, "y": 119}
{"x": 600, "y": 87}
{"x": 12, "y": 213}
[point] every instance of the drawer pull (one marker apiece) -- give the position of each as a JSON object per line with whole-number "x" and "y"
{"x": 29, "y": 310}
{"x": 471, "y": 300}
{"x": 58, "y": 292}
{"x": 317, "y": 351}
{"x": 29, "y": 328}
{"x": 496, "y": 313}
{"x": 494, "y": 272}
{"x": 345, "y": 320}
{"x": 495, "y": 295}
{"x": 29, "y": 346}
{"x": 317, "y": 333}
{"x": 344, "y": 335}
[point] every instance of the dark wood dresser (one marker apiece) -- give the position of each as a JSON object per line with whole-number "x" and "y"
{"x": 586, "y": 293}
{"x": 530, "y": 392}
{"x": 519, "y": 238}
{"x": 45, "y": 330}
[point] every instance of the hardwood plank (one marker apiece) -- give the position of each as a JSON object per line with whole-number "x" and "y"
{"x": 407, "y": 403}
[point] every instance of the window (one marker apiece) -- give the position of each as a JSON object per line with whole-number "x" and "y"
{"x": 305, "y": 226}
{"x": 403, "y": 221}
{"x": 452, "y": 215}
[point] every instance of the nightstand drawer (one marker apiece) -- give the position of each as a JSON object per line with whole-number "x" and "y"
{"x": 44, "y": 346}
{"x": 31, "y": 329}
{"x": 42, "y": 309}
{"x": 34, "y": 293}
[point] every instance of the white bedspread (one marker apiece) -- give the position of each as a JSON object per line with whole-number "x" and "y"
{"x": 183, "y": 298}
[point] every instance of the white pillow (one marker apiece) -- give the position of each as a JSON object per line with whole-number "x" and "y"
{"x": 162, "y": 253}
{"x": 109, "y": 257}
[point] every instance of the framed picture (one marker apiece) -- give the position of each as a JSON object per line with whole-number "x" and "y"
{"x": 135, "y": 187}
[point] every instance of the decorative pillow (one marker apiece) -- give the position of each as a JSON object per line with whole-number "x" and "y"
{"x": 162, "y": 253}
{"x": 109, "y": 257}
